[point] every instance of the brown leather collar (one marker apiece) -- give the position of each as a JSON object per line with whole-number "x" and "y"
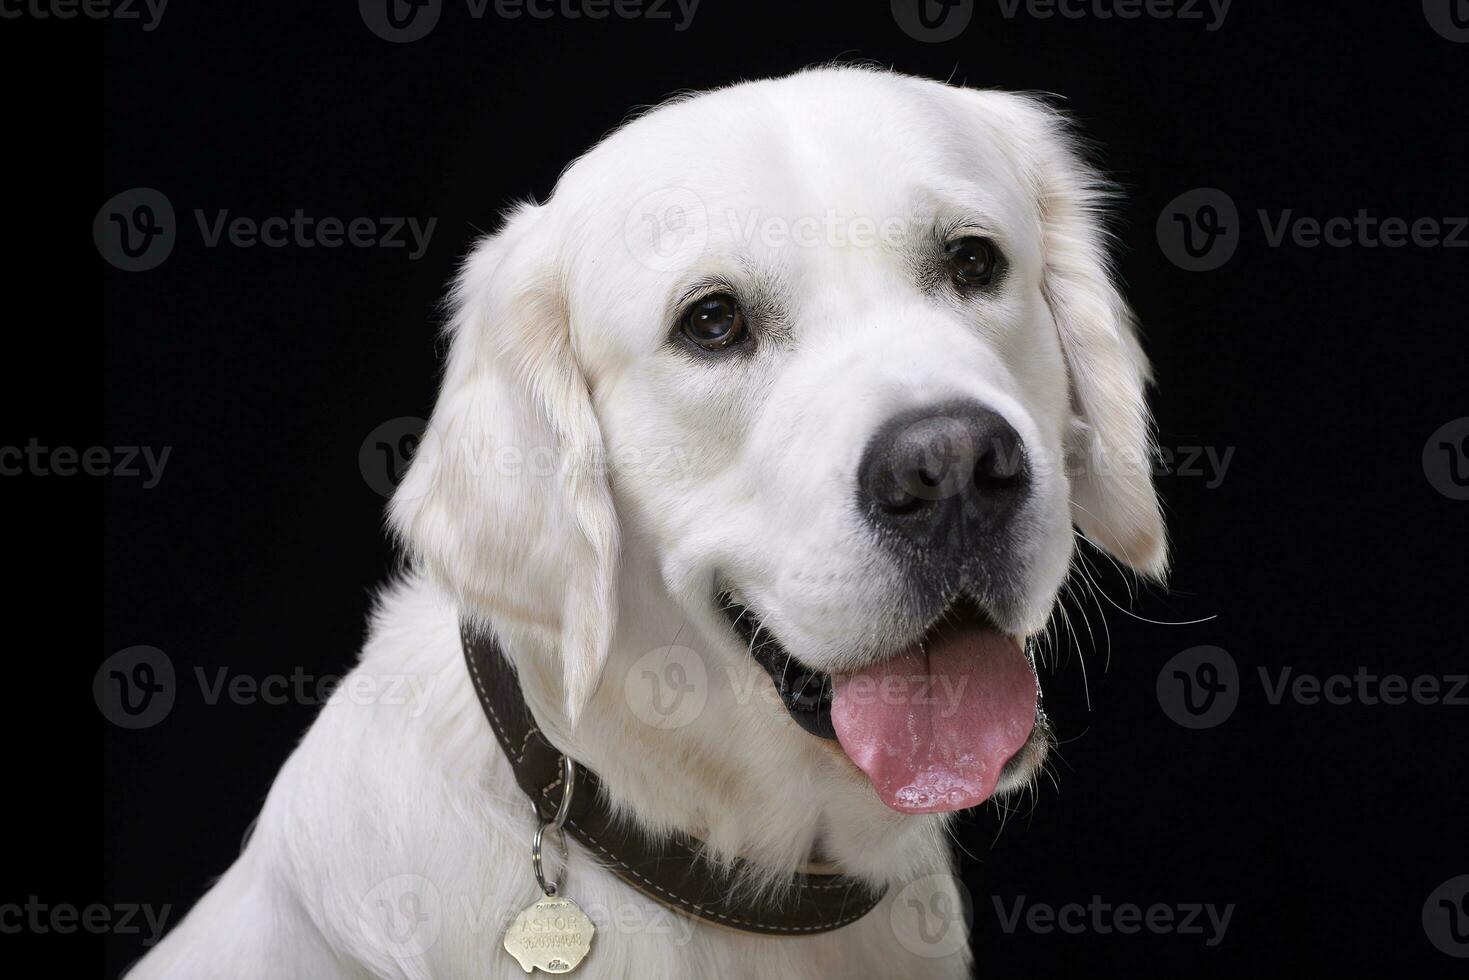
{"x": 669, "y": 871}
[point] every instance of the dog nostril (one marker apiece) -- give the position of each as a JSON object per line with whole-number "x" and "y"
{"x": 918, "y": 480}
{"x": 896, "y": 499}
{"x": 1000, "y": 466}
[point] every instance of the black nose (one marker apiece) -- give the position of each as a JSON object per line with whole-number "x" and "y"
{"x": 948, "y": 479}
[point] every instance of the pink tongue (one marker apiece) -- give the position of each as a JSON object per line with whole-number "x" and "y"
{"x": 933, "y": 729}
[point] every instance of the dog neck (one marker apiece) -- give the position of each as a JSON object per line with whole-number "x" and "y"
{"x": 706, "y": 750}
{"x": 673, "y": 868}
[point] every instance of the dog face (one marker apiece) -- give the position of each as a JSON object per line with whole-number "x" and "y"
{"x": 839, "y": 358}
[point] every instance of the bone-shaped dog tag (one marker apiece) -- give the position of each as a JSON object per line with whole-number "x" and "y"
{"x": 554, "y": 936}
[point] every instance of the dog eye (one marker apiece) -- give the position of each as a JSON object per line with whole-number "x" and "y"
{"x": 973, "y": 262}
{"x": 714, "y": 322}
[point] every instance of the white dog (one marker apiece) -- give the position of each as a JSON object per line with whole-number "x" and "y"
{"x": 810, "y": 374}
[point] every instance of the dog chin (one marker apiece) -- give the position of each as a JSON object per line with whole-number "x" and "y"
{"x": 939, "y": 724}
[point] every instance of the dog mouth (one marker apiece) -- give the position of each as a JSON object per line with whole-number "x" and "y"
{"x": 937, "y": 725}
{"x": 806, "y": 693}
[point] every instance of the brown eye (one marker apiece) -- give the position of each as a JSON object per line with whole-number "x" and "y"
{"x": 714, "y": 322}
{"x": 973, "y": 262}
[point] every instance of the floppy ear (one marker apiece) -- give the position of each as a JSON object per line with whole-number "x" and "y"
{"x": 1110, "y": 443}
{"x": 506, "y": 501}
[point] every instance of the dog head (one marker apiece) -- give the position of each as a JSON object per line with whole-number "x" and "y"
{"x": 832, "y": 365}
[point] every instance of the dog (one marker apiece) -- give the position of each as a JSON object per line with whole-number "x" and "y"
{"x": 824, "y": 373}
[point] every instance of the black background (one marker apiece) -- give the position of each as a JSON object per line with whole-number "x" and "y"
{"x": 1326, "y": 370}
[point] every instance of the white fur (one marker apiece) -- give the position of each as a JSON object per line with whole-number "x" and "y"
{"x": 538, "y": 507}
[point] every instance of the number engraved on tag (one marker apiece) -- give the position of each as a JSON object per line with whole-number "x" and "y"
{"x": 553, "y": 936}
